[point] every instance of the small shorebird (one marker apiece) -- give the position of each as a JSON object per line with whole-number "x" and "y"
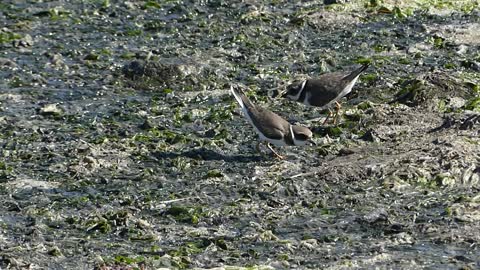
{"x": 271, "y": 127}
{"x": 325, "y": 90}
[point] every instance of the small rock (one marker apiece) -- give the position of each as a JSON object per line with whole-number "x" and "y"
{"x": 164, "y": 261}
{"x": 129, "y": 5}
{"x": 143, "y": 224}
{"x": 167, "y": 69}
{"x": 475, "y": 66}
{"x": 413, "y": 50}
{"x": 109, "y": 79}
{"x": 3, "y": 121}
{"x": 26, "y": 41}
{"x": 471, "y": 175}
{"x": 309, "y": 244}
{"x": 91, "y": 57}
{"x": 5, "y": 62}
{"x": 55, "y": 251}
{"x": 198, "y": 125}
{"x": 142, "y": 113}
{"x": 377, "y": 215}
{"x": 403, "y": 238}
{"x": 90, "y": 160}
{"x": 280, "y": 264}
{"x": 57, "y": 59}
{"x": 99, "y": 260}
{"x": 462, "y": 49}
{"x": 346, "y": 152}
{"x": 82, "y": 147}
{"x": 50, "y": 109}
{"x": 457, "y": 102}
{"x": 38, "y": 79}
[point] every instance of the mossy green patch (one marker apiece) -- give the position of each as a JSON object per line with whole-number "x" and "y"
{"x": 219, "y": 114}
{"x": 449, "y": 65}
{"x": 437, "y": 42}
{"x": 5, "y": 170}
{"x": 7, "y": 37}
{"x": 214, "y": 174}
{"x": 152, "y": 4}
{"x": 473, "y": 104}
{"x": 363, "y": 60}
{"x": 369, "y": 78}
{"x": 55, "y": 251}
{"x": 186, "y": 214}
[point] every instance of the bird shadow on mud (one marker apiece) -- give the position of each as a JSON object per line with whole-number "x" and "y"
{"x": 207, "y": 154}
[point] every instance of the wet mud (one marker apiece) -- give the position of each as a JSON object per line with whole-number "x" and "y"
{"x": 121, "y": 146}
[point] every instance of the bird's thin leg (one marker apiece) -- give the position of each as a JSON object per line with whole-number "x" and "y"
{"x": 337, "y": 110}
{"x": 275, "y": 153}
{"x": 328, "y": 117}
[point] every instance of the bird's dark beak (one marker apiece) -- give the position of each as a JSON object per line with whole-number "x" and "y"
{"x": 312, "y": 142}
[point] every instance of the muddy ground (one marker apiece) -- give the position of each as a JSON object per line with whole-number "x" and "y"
{"x": 121, "y": 147}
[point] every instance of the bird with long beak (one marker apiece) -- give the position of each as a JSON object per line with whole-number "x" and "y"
{"x": 325, "y": 90}
{"x": 270, "y": 127}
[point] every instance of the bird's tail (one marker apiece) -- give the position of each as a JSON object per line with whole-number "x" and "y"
{"x": 240, "y": 97}
{"x": 354, "y": 74}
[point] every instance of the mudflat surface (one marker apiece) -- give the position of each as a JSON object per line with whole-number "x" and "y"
{"x": 122, "y": 148}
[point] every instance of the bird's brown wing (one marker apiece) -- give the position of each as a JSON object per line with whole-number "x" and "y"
{"x": 269, "y": 123}
{"x": 326, "y": 87}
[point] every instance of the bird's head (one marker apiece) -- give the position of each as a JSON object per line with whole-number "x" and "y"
{"x": 294, "y": 90}
{"x": 302, "y": 135}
